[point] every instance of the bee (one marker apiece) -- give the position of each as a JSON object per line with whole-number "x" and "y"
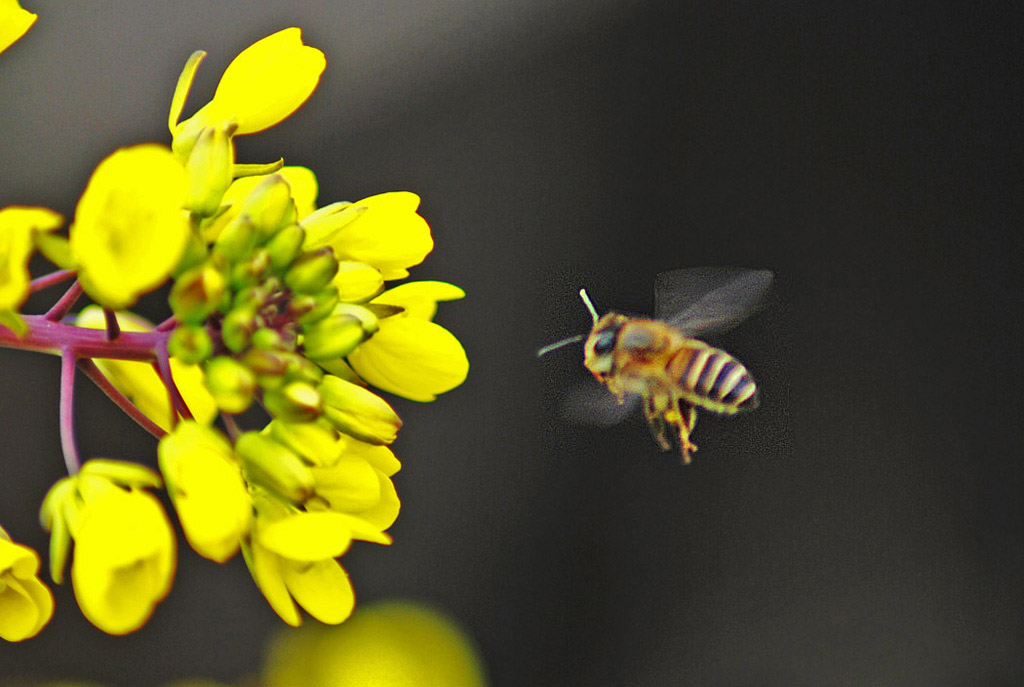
{"x": 658, "y": 363}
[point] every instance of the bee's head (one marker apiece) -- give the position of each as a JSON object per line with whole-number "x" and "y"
{"x": 599, "y": 350}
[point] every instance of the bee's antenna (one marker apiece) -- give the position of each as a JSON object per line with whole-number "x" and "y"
{"x": 558, "y": 344}
{"x": 590, "y": 306}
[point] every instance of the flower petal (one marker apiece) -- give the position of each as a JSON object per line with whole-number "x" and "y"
{"x": 322, "y": 588}
{"x": 14, "y": 22}
{"x": 419, "y": 298}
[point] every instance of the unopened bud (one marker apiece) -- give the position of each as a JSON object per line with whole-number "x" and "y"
{"x": 312, "y": 271}
{"x": 266, "y": 338}
{"x": 367, "y": 319}
{"x": 231, "y": 383}
{"x": 308, "y": 308}
{"x": 237, "y": 240}
{"x": 190, "y": 343}
{"x": 197, "y": 293}
{"x": 251, "y": 270}
{"x": 285, "y": 246}
{"x": 332, "y": 337}
{"x": 210, "y": 169}
{"x": 237, "y": 328}
{"x": 358, "y": 412}
{"x": 269, "y": 464}
{"x": 269, "y": 206}
{"x": 357, "y": 282}
{"x": 294, "y": 402}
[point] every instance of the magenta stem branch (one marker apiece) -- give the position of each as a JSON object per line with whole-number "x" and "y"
{"x": 113, "y": 328}
{"x": 49, "y": 336}
{"x": 67, "y": 412}
{"x": 50, "y": 279}
{"x": 163, "y": 368}
{"x": 64, "y": 305}
{"x": 93, "y": 373}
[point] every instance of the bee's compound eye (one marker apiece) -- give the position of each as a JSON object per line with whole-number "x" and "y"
{"x": 604, "y": 342}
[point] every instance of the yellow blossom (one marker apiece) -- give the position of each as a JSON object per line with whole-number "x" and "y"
{"x": 140, "y": 382}
{"x": 26, "y": 604}
{"x": 17, "y": 225}
{"x": 388, "y": 644}
{"x": 124, "y": 551}
{"x": 14, "y": 22}
{"x": 130, "y": 230}
{"x": 383, "y": 230}
{"x": 263, "y": 85}
{"x": 410, "y": 355}
{"x": 303, "y": 186}
{"x": 207, "y": 488}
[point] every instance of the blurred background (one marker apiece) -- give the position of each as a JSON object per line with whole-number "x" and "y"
{"x": 863, "y": 527}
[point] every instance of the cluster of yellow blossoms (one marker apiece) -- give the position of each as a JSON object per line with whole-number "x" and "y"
{"x": 273, "y": 302}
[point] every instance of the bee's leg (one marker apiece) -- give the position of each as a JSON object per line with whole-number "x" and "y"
{"x": 656, "y": 422}
{"x": 683, "y": 418}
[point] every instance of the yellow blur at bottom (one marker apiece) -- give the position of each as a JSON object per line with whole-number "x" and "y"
{"x": 390, "y": 644}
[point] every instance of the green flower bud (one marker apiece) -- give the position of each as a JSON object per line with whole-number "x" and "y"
{"x": 251, "y": 270}
{"x": 301, "y": 369}
{"x": 306, "y": 309}
{"x": 367, "y": 319}
{"x": 197, "y": 293}
{"x": 190, "y": 343}
{"x": 237, "y": 239}
{"x": 294, "y": 402}
{"x": 358, "y": 412}
{"x": 210, "y": 169}
{"x": 237, "y": 328}
{"x": 231, "y": 383}
{"x": 195, "y": 254}
{"x": 269, "y": 206}
{"x": 269, "y": 366}
{"x": 311, "y": 271}
{"x": 285, "y": 246}
{"x": 267, "y": 339}
{"x": 269, "y": 464}
{"x": 332, "y": 337}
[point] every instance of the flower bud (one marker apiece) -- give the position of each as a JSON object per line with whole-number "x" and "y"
{"x": 302, "y": 369}
{"x": 311, "y": 272}
{"x": 332, "y": 337}
{"x": 285, "y": 246}
{"x": 306, "y": 309}
{"x": 237, "y": 328}
{"x": 231, "y": 383}
{"x": 367, "y": 318}
{"x": 209, "y": 169}
{"x": 294, "y": 402}
{"x": 271, "y": 465}
{"x": 358, "y": 412}
{"x": 251, "y": 270}
{"x": 190, "y": 343}
{"x": 237, "y": 239}
{"x": 268, "y": 339}
{"x": 357, "y": 282}
{"x": 269, "y": 206}
{"x": 197, "y": 293}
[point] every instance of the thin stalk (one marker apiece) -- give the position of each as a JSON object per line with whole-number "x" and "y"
{"x": 67, "y": 412}
{"x": 163, "y": 368}
{"x": 231, "y": 426}
{"x": 113, "y": 328}
{"x": 64, "y": 305}
{"x": 93, "y": 372}
{"x": 48, "y": 280}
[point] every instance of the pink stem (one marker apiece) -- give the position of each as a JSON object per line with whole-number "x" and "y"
{"x": 93, "y": 373}
{"x": 66, "y": 302}
{"x": 48, "y": 280}
{"x": 113, "y": 328}
{"x": 163, "y": 368}
{"x": 67, "y": 412}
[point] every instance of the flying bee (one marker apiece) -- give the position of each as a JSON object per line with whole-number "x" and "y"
{"x": 659, "y": 363}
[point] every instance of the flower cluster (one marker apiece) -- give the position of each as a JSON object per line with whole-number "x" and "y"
{"x": 273, "y": 302}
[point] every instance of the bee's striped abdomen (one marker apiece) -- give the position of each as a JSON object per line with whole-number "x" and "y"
{"x": 716, "y": 381}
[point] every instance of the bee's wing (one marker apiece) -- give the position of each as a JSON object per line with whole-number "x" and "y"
{"x": 709, "y": 299}
{"x": 590, "y": 403}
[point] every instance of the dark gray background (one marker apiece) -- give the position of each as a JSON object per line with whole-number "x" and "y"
{"x": 862, "y": 528}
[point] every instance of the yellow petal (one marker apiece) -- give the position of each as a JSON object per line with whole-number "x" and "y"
{"x": 411, "y": 357}
{"x": 308, "y": 536}
{"x": 14, "y": 22}
{"x": 358, "y": 412}
{"x": 266, "y": 568}
{"x": 140, "y": 382}
{"x": 322, "y": 588}
{"x": 26, "y": 604}
{"x": 419, "y": 298}
{"x": 130, "y": 230}
{"x": 267, "y": 81}
{"x": 350, "y": 485}
{"x": 387, "y": 233}
{"x": 17, "y": 224}
{"x": 303, "y": 186}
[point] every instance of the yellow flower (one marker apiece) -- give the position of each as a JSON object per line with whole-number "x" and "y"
{"x": 291, "y": 558}
{"x": 382, "y": 230}
{"x": 14, "y": 22}
{"x": 26, "y": 604}
{"x": 389, "y": 644}
{"x": 130, "y": 230}
{"x": 140, "y": 382}
{"x": 207, "y": 488}
{"x": 124, "y": 550}
{"x": 263, "y": 85}
{"x": 410, "y": 355}
{"x": 303, "y": 186}
{"x": 17, "y": 224}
